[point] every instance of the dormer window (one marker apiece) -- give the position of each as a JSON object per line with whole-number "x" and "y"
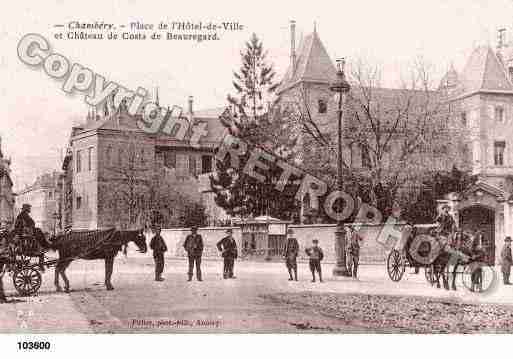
{"x": 322, "y": 106}
{"x": 499, "y": 114}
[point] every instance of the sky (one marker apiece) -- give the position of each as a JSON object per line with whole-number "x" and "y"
{"x": 36, "y": 115}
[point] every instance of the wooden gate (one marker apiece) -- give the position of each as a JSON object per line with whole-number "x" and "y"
{"x": 481, "y": 218}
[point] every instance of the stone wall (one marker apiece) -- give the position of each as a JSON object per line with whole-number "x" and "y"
{"x": 371, "y": 250}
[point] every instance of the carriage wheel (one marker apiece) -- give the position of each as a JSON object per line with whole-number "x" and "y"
{"x": 395, "y": 265}
{"x": 428, "y": 272}
{"x": 27, "y": 280}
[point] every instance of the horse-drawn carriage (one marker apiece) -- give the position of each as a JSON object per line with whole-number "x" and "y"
{"x": 24, "y": 257}
{"x": 422, "y": 247}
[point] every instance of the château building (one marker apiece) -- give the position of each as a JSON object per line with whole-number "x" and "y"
{"x": 478, "y": 110}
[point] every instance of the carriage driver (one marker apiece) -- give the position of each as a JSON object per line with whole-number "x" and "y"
{"x": 26, "y": 227}
{"x": 446, "y": 223}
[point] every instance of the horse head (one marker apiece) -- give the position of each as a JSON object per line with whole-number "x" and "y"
{"x": 140, "y": 240}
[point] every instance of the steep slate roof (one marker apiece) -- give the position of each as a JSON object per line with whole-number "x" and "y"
{"x": 126, "y": 122}
{"x": 312, "y": 64}
{"x": 484, "y": 72}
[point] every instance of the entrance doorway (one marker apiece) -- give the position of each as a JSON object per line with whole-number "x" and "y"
{"x": 481, "y": 218}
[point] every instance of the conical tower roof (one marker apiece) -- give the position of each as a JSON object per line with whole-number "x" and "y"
{"x": 484, "y": 72}
{"x": 313, "y": 64}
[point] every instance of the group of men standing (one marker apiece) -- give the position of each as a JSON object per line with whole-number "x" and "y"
{"x": 291, "y": 252}
{"x": 316, "y": 255}
{"x": 193, "y": 246}
{"x": 227, "y": 246}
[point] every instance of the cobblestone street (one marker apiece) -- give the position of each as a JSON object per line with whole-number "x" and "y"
{"x": 396, "y": 314}
{"x": 260, "y": 299}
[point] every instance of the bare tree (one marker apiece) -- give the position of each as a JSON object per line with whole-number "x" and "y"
{"x": 131, "y": 183}
{"x": 398, "y": 134}
{"x": 143, "y": 193}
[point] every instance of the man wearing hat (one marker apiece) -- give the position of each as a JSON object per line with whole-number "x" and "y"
{"x": 158, "y": 245}
{"x": 353, "y": 252}
{"x": 290, "y": 253}
{"x": 506, "y": 260}
{"x": 446, "y": 222}
{"x": 194, "y": 247}
{"x": 228, "y": 248}
{"x": 316, "y": 255}
{"x": 24, "y": 223}
{"x": 26, "y": 227}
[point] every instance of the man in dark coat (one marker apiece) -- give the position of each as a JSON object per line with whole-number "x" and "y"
{"x": 316, "y": 256}
{"x": 25, "y": 227}
{"x": 478, "y": 255}
{"x": 506, "y": 260}
{"x": 158, "y": 245}
{"x": 290, "y": 253}
{"x": 353, "y": 251}
{"x": 228, "y": 248}
{"x": 194, "y": 247}
{"x": 24, "y": 224}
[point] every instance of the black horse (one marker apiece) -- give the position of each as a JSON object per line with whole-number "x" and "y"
{"x": 455, "y": 252}
{"x": 92, "y": 245}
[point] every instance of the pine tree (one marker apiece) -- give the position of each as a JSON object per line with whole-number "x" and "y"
{"x": 254, "y": 118}
{"x": 254, "y": 86}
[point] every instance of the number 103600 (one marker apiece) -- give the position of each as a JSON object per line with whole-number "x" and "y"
{"x": 33, "y": 345}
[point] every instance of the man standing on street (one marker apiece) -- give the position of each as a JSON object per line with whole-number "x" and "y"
{"x": 506, "y": 260}
{"x": 194, "y": 247}
{"x": 353, "y": 251}
{"x": 228, "y": 248}
{"x": 290, "y": 253}
{"x": 316, "y": 255}
{"x": 159, "y": 247}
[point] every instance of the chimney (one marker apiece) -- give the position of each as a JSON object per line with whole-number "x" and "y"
{"x": 501, "y": 42}
{"x": 293, "y": 45}
{"x": 191, "y": 102}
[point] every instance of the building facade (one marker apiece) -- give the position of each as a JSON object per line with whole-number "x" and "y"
{"x": 6, "y": 193}
{"x": 372, "y": 140}
{"x": 478, "y": 102}
{"x": 44, "y": 195}
{"x": 110, "y": 159}
{"x": 482, "y": 95}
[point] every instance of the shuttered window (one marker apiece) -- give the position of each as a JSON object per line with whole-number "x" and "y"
{"x": 192, "y": 165}
{"x": 498, "y": 152}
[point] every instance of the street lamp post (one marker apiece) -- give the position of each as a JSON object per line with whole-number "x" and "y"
{"x": 55, "y": 218}
{"x": 341, "y": 87}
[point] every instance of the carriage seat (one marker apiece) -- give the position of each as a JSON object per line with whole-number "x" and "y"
{"x": 27, "y": 244}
